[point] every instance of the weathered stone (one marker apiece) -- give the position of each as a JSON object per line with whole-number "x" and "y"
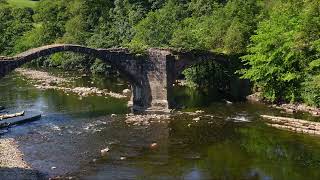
{"x": 151, "y": 76}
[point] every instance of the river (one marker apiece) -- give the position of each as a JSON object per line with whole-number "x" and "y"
{"x": 228, "y": 141}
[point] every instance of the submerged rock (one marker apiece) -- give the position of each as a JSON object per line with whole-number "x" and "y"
{"x": 196, "y": 119}
{"x": 153, "y": 145}
{"x": 145, "y": 120}
{"x": 105, "y": 151}
{"x": 227, "y": 102}
{"x": 239, "y": 118}
{"x": 199, "y": 111}
{"x": 256, "y": 97}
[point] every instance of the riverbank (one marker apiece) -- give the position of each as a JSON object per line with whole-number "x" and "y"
{"x": 12, "y": 164}
{"x": 44, "y": 81}
{"x": 291, "y": 124}
{"x": 10, "y": 155}
{"x": 289, "y": 108}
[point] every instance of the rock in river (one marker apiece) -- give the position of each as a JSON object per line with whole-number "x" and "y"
{"x": 105, "y": 151}
{"x": 126, "y": 92}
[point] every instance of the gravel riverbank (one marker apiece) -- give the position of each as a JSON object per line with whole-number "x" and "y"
{"x": 44, "y": 81}
{"x": 12, "y": 164}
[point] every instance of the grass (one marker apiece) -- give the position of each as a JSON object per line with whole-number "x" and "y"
{"x": 23, "y": 3}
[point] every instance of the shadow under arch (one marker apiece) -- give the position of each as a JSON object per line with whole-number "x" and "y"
{"x": 223, "y": 81}
{"x": 187, "y": 59}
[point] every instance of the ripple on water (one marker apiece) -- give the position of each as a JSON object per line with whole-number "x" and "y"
{"x": 239, "y": 118}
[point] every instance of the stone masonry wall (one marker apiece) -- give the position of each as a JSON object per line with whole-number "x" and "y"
{"x": 151, "y": 76}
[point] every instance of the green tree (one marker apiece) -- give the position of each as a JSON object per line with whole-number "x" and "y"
{"x": 14, "y": 22}
{"x": 48, "y": 25}
{"x": 157, "y": 28}
{"x": 283, "y": 49}
{"x": 117, "y": 29}
{"x": 85, "y": 18}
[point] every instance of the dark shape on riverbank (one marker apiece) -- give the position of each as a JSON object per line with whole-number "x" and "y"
{"x": 19, "y": 173}
{"x": 28, "y": 117}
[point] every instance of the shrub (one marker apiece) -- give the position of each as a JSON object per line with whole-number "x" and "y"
{"x": 311, "y": 91}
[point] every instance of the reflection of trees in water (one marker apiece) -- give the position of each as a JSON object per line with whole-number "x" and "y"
{"x": 217, "y": 143}
{"x": 188, "y": 97}
{"x": 223, "y": 150}
{"x": 261, "y": 153}
{"x": 202, "y": 133}
{"x": 91, "y": 105}
{"x": 14, "y": 90}
{"x": 226, "y": 161}
{"x": 185, "y": 146}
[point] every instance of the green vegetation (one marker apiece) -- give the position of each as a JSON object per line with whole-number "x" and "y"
{"x": 277, "y": 40}
{"x": 23, "y": 3}
{"x": 284, "y": 53}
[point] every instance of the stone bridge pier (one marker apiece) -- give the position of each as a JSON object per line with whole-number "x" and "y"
{"x": 151, "y": 76}
{"x": 156, "y": 82}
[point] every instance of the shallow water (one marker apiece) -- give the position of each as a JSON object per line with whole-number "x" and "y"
{"x": 231, "y": 142}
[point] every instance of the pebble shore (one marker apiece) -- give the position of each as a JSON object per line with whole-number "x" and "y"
{"x": 296, "y": 125}
{"x": 12, "y": 164}
{"x": 46, "y": 81}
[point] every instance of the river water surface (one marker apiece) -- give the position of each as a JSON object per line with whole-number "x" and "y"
{"x": 228, "y": 141}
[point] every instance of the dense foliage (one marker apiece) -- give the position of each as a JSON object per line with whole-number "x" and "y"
{"x": 283, "y": 57}
{"x": 278, "y": 40}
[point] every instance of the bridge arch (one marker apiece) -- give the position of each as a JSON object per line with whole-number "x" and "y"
{"x": 128, "y": 65}
{"x": 109, "y": 56}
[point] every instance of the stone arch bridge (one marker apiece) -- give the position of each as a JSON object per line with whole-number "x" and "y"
{"x": 151, "y": 76}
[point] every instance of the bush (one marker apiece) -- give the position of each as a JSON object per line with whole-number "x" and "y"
{"x": 311, "y": 91}
{"x": 281, "y": 51}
